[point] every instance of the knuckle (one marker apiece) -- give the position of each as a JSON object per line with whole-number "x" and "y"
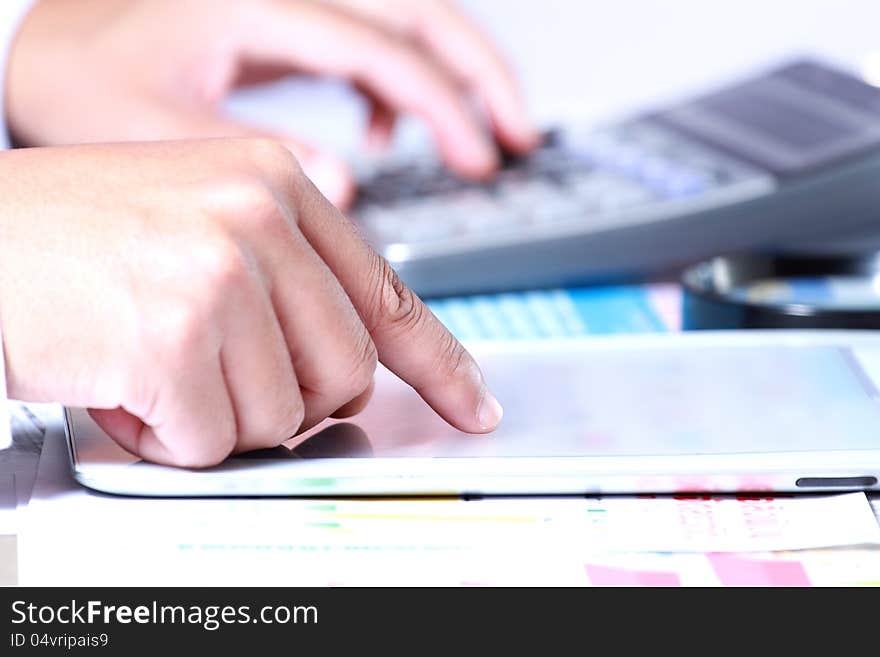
{"x": 245, "y": 193}
{"x": 271, "y": 156}
{"x": 297, "y": 412}
{"x": 219, "y": 266}
{"x": 288, "y": 422}
{"x": 208, "y": 453}
{"x": 249, "y": 203}
{"x": 188, "y": 317}
{"x": 210, "y": 450}
{"x": 397, "y": 307}
{"x": 180, "y": 333}
{"x": 454, "y": 359}
{"x": 354, "y": 373}
{"x": 365, "y": 360}
{"x": 278, "y": 420}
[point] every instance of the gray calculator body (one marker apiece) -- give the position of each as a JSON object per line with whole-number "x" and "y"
{"x": 788, "y": 157}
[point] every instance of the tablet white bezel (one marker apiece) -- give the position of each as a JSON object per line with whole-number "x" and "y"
{"x": 717, "y": 473}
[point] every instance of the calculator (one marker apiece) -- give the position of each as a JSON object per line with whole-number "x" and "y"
{"x": 789, "y": 156}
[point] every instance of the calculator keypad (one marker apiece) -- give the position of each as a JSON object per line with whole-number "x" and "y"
{"x": 595, "y": 180}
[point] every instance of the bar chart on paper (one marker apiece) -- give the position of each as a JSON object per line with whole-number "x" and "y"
{"x": 818, "y": 567}
{"x": 566, "y": 542}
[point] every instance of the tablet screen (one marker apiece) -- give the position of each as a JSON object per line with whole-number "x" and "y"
{"x": 730, "y": 399}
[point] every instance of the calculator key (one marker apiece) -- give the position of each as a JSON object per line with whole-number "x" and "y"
{"x": 623, "y": 197}
{"x": 687, "y": 183}
{"x": 524, "y": 193}
{"x": 479, "y": 213}
{"x": 426, "y": 222}
{"x": 382, "y": 221}
{"x": 657, "y": 172}
{"x": 556, "y": 209}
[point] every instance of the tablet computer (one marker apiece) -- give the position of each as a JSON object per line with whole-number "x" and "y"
{"x": 720, "y": 412}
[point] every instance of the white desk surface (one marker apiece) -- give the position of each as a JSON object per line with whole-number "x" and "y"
{"x": 578, "y": 60}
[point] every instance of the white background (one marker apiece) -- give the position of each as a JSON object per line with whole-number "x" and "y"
{"x": 589, "y": 60}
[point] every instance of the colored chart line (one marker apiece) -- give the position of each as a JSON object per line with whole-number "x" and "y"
{"x": 432, "y": 518}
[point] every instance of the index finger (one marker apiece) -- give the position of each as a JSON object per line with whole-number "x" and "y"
{"x": 470, "y": 54}
{"x": 410, "y": 340}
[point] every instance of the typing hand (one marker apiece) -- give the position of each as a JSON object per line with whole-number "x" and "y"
{"x": 111, "y": 70}
{"x": 203, "y": 298}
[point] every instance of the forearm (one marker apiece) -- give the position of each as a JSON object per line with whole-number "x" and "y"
{"x": 11, "y": 14}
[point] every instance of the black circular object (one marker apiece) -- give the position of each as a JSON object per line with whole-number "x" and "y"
{"x": 783, "y": 291}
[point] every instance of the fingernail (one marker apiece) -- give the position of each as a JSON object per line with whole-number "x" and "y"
{"x": 489, "y": 412}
